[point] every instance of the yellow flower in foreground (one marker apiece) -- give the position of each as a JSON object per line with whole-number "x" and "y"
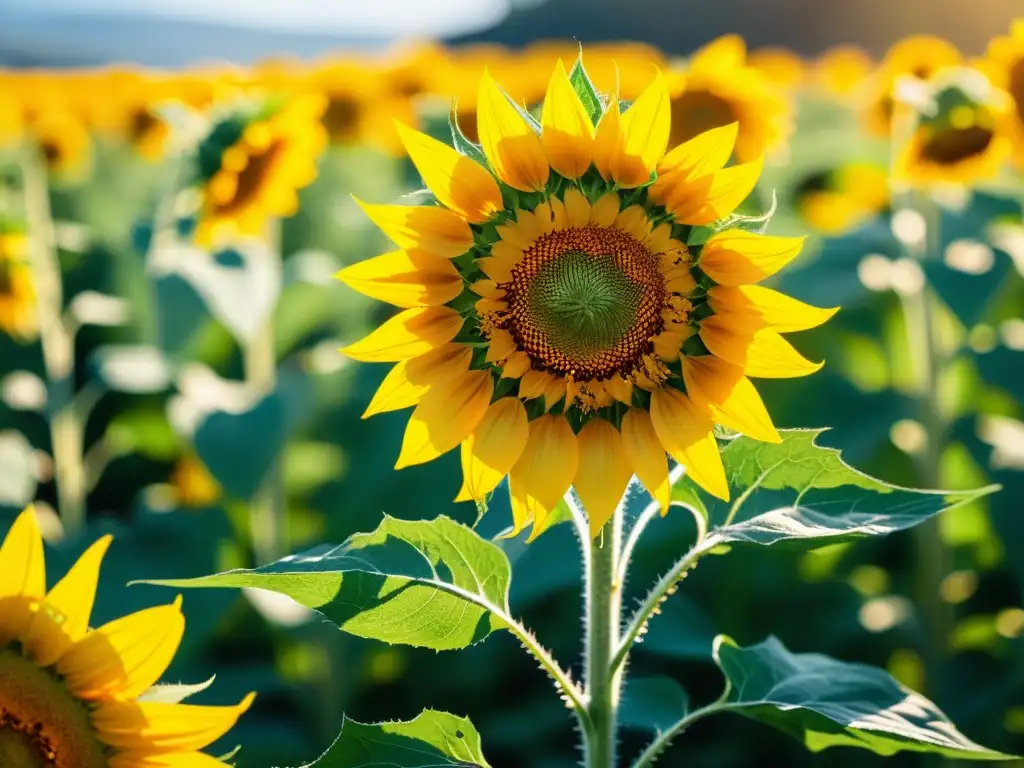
{"x": 839, "y": 200}
{"x": 252, "y": 167}
{"x": 82, "y": 698}
{"x": 558, "y": 321}
{"x": 719, "y": 88}
{"x": 966, "y": 140}
{"x": 18, "y": 317}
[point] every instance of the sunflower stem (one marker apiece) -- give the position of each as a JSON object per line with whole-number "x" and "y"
{"x": 56, "y": 337}
{"x": 268, "y": 509}
{"x": 603, "y": 628}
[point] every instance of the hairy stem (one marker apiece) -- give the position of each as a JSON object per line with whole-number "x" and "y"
{"x": 67, "y": 422}
{"x": 603, "y": 626}
{"x": 662, "y": 740}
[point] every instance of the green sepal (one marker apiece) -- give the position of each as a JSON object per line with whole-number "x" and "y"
{"x": 584, "y": 87}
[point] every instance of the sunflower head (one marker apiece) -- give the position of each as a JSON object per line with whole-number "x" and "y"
{"x": 837, "y": 200}
{"x": 842, "y": 71}
{"x": 253, "y": 162}
{"x": 580, "y": 301}
{"x": 1004, "y": 65}
{"x": 76, "y": 697}
{"x": 18, "y": 317}
{"x": 719, "y": 88}
{"x": 961, "y": 131}
{"x": 917, "y": 56}
{"x": 781, "y": 66}
{"x": 63, "y": 141}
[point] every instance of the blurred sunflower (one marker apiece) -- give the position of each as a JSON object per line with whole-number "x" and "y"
{"x": 719, "y": 88}
{"x": 780, "y": 65}
{"x": 63, "y": 140}
{"x": 75, "y": 696}
{"x": 12, "y": 118}
{"x": 962, "y": 137}
{"x": 349, "y": 87}
{"x": 842, "y": 71}
{"x": 919, "y": 56}
{"x": 126, "y": 108}
{"x": 252, "y": 166}
{"x": 557, "y": 320}
{"x": 17, "y": 293}
{"x": 838, "y": 200}
{"x": 1004, "y": 65}
{"x": 192, "y": 484}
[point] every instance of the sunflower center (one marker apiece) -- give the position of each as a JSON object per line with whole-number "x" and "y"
{"x": 585, "y": 302}
{"x": 341, "y": 118}
{"x": 253, "y": 177}
{"x": 954, "y": 145}
{"x": 694, "y": 112}
{"x": 143, "y": 122}
{"x": 51, "y": 153}
{"x": 41, "y": 724}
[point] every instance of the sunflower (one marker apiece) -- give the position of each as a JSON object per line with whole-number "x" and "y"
{"x": 1004, "y": 65}
{"x": 63, "y": 141}
{"x": 842, "y": 71}
{"x": 75, "y": 697}
{"x": 193, "y": 485}
{"x": 560, "y": 320}
{"x": 967, "y": 139}
{"x": 252, "y": 166}
{"x": 12, "y": 116}
{"x": 919, "y": 56}
{"x": 349, "y": 87}
{"x": 17, "y": 291}
{"x": 719, "y": 88}
{"x": 780, "y": 65}
{"x": 841, "y": 199}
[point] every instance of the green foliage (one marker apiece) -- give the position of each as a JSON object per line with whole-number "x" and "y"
{"x": 801, "y": 492}
{"x": 585, "y": 89}
{"x": 431, "y": 739}
{"x": 434, "y": 584}
{"x": 824, "y": 703}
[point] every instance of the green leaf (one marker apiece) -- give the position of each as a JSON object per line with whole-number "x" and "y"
{"x": 798, "y": 491}
{"x": 434, "y": 584}
{"x": 824, "y": 703}
{"x": 585, "y": 89}
{"x": 432, "y": 740}
{"x": 174, "y": 693}
{"x": 461, "y": 142}
{"x": 653, "y": 703}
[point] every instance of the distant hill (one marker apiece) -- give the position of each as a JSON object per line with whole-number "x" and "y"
{"x": 28, "y": 39}
{"x": 807, "y": 26}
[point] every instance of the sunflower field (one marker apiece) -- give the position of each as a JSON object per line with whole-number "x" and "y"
{"x": 378, "y": 410}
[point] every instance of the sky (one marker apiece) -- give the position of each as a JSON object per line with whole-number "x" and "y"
{"x": 374, "y": 18}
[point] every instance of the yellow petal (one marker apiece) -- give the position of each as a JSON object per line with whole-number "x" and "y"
{"x": 646, "y": 455}
{"x": 155, "y": 727}
{"x": 409, "y": 380}
{"x": 143, "y": 759}
{"x": 777, "y": 310}
{"x": 501, "y": 345}
{"x": 732, "y": 400}
{"x": 604, "y": 212}
{"x": 737, "y": 257}
{"x": 763, "y": 354}
{"x": 704, "y": 154}
{"x": 516, "y": 365}
{"x": 410, "y": 333}
{"x": 487, "y": 289}
{"x": 554, "y": 392}
{"x": 544, "y": 472}
{"x": 513, "y": 148}
{"x": 413, "y": 278}
{"x": 123, "y": 658}
{"x": 429, "y": 227}
{"x": 446, "y": 415}
{"x": 633, "y": 220}
{"x": 722, "y": 53}
{"x": 709, "y": 198}
{"x": 577, "y": 207}
{"x": 21, "y": 559}
{"x": 619, "y": 388}
{"x": 608, "y": 141}
{"x": 603, "y": 472}
{"x": 459, "y": 183}
{"x": 687, "y": 433}
{"x": 645, "y": 130}
{"x": 534, "y": 384}
{"x": 567, "y": 132}
{"x": 63, "y": 617}
{"x": 493, "y": 449}
{"x": 667, "y": 344}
